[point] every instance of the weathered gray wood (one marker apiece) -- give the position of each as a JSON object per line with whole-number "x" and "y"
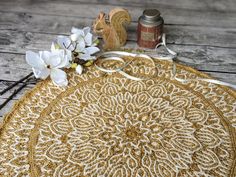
{"x": 171, "y": 15}
{"x": 40, "y": 23}
{"x": 208, "y": 5}
{"x": 203, "y": 58}
{"x": 3, "y": 97}
{"x": 6, "y": 109}
{"x": 14, "y": 67}
{"x": 20, "y": 41}
{"x": 50, "y": 24}
{"x": 19, "y": 95}
{"x": 227, "y": 77}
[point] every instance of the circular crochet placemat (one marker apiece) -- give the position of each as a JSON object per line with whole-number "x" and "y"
{"x": 108, "y": 125}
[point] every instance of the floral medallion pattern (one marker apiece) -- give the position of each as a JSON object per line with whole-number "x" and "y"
{"x": 118, "y": 127}
{"x": 113, "y": 126}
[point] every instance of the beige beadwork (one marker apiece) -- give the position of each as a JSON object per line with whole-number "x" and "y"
{"x": 105, "y": 124}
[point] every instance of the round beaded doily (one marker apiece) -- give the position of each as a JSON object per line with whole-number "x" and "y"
{"x": 108, "y": 125}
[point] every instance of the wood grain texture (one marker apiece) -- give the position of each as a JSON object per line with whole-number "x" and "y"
{"x": 199, "y": 35}
{"x": 203, "y": 32}
{"x": 4, "y": 84}
{"x": 18, "y": 41}
{"x": 203, "y": 5}
{"x": 85, "y": 9}
{"x": 14, "y": 67}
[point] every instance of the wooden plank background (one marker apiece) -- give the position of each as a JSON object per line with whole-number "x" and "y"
{"x": 203, "y": 32}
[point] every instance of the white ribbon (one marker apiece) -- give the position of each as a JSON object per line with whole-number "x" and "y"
{"x": 110, "y": 56}
{"x": 170, "y": 57}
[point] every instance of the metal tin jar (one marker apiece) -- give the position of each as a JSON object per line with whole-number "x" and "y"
{"x": 150, "y": 28}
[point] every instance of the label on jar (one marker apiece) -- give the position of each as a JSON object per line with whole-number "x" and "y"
{"x": 147, "y": 36}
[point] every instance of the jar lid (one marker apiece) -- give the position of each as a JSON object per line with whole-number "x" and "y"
{"x": 151, "y": 14}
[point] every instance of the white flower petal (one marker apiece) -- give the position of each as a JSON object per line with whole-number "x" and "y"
{"x": 92, "y": 50}
{"x": 93, "y": 58}
{"x": 86, "y": 30}
{"x": 34, "y": 60}
{"x": 59, "y": 77}
{"x": 54, "y": 59}
{"x": 65, "y": 43}
{"x": 80, "y": 45}
{"x": 36, "y": 72}
{"x": 74, "y": 29}
{"x": 88, "y": 39}
{"x": 79, "y": 69}
{"x": 65, "y": 62}
{"x": 94, "y": 44}
{"x": 53, "y": 47}
{"x": 74, "y": 36}
{"x": 71, "y": 46}
{"x": 69, "y": 55}
{"x": 42, "y": 74}
{"x": 85, "y": 56}
{"x": 77, "y": 31}
{"x": 95, "y": 41}
{"x": 45, "y": 56}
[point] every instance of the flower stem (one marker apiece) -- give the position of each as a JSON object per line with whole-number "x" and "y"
{"x": 16, "y": 83}
{"x": 17, "y": 90}
{"x": 12, "y": 95}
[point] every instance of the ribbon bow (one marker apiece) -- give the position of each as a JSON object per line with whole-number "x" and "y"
{"x": 117, "y": 56}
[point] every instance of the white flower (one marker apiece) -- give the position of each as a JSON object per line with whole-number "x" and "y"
{"x": 81, "y": 41}
{"x": 68, "y": 53}
{"x": 86, "y": 53}
{"x": 65, "y": 43}
{"x": 47, "y": 63}
{"x": 79, "y": 69}
{"x": 82, "y": 36}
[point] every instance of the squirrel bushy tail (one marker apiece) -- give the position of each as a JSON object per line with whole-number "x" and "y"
{"x": 119, "y": 17}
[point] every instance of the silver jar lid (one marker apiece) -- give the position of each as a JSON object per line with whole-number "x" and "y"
{"x": 151, "y": 17}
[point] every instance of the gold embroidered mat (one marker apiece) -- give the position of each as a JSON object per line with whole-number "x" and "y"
{"x": 108, "y": 125}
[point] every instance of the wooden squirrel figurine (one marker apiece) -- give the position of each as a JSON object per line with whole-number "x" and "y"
{"x": 112, "y": 30}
